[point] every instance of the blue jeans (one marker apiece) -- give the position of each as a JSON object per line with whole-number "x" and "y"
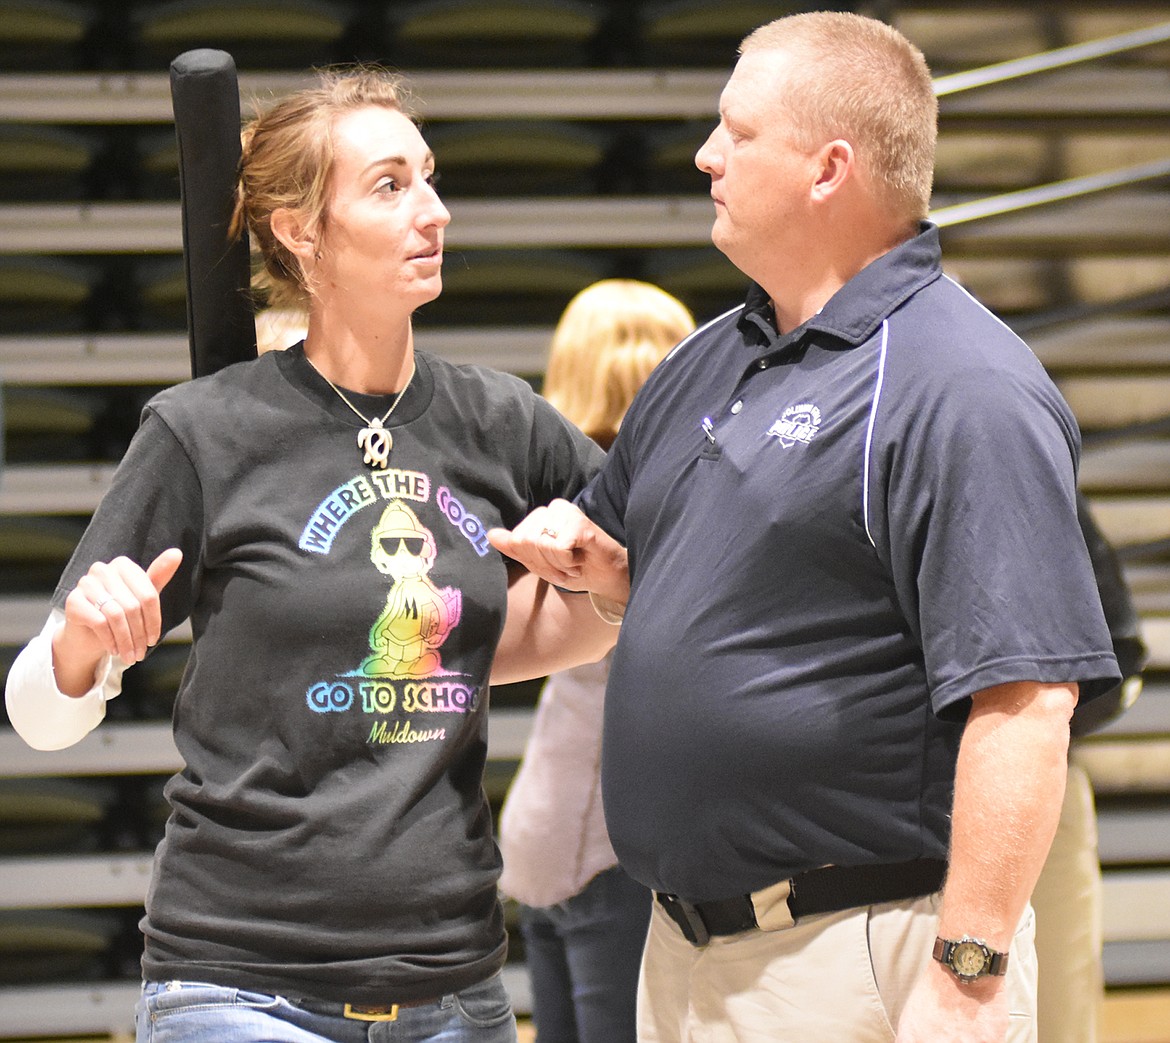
{"x": 194, "y": 1012}
{"x": 583, "y": 956}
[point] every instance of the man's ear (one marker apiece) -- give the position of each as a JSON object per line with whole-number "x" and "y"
{"x": 289, "y": 229}
{"x": 838, "y": 161}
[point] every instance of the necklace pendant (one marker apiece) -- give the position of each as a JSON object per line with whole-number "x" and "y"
{"x": 375, "y": 441}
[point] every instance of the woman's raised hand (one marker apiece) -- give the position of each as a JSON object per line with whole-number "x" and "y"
{"x": 113, "y": 609}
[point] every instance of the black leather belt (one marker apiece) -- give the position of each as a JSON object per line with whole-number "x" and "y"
{"x": 826, "y": 890}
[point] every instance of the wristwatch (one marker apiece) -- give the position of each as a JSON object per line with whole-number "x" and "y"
{"x": 969, "y": 958}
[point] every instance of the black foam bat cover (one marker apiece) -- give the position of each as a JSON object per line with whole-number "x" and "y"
{"x": 205, "y": 96}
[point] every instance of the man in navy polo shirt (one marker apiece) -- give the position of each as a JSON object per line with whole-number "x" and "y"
{"x": 860, "y": 608}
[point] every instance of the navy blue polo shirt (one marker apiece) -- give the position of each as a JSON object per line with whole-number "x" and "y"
{"x": 836, "y": 537}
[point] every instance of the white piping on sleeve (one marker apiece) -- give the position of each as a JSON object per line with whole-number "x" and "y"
{"x": 873, "y": 409}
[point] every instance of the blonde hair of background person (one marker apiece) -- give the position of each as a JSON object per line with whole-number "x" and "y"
{"x": 609, "y": 338}
{"x": 582, "y": 917}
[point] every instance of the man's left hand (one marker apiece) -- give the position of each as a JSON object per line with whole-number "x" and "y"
{"x": 942, "y": 1007}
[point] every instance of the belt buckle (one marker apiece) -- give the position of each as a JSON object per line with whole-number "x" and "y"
{"x": 688, "y": 918}
{"x": 355, "y": 1013}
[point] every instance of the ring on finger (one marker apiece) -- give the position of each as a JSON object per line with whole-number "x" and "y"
{"x": 101, "y": 601}
{"x": 549, "y": 532}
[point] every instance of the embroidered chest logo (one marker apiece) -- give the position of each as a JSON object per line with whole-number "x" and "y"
{"x": 797, "y": 424}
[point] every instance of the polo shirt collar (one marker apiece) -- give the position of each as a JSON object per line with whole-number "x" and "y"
{"x": 856, "y": 310}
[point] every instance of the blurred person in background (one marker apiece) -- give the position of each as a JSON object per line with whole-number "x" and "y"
{"x": 582, "y": 917}
{"x": 1069, "y": 896}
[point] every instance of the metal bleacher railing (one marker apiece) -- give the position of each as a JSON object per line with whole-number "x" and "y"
{"x": 1132, "y": 838}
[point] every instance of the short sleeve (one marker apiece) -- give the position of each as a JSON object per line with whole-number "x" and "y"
{"x": 982, "y": 537}
{"x": 154, "y": 502}
{"x": 561, "y": 459}
{"x": 604, "y": 499}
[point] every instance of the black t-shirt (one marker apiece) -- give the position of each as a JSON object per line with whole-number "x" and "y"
{"x": 329, "y": 834}
{"x": 836, "y": 537}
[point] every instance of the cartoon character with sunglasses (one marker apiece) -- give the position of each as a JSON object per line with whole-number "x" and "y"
{"x": 406, "y": 637}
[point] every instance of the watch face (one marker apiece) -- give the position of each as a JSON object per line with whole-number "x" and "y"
{"x": 969, "y": 959}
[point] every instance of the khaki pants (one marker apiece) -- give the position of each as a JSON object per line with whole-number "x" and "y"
{"x": 1068, "y": 900}
{"x": 830, "y": 979}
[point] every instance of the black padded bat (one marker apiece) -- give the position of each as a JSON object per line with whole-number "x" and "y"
{"x": 205, "y": 95}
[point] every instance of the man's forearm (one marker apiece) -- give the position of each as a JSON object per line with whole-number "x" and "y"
{"x": 1009, "y": 782}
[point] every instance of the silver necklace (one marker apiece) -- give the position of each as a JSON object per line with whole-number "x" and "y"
{"x": 373, "y": 439}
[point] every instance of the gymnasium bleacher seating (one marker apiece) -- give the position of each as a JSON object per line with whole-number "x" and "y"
{"x": 565, "y": 131}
